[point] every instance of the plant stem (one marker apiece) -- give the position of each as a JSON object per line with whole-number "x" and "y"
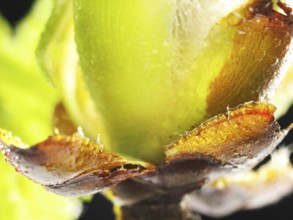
{"x": 157, "y": 211}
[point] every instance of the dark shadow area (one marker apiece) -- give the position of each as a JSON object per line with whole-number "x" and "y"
{"x": 285, "y": 121}
{"x": 14, "y": 10}
{"x": 98, "y": 208}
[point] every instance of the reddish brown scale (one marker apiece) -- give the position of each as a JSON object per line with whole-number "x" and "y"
{"x": 62, "y": 121}
{"x": 286, "y": 8}
{"x": 256, "y": 60}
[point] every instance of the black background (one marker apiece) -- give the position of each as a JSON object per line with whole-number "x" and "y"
{"x": 100, "y": 208}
